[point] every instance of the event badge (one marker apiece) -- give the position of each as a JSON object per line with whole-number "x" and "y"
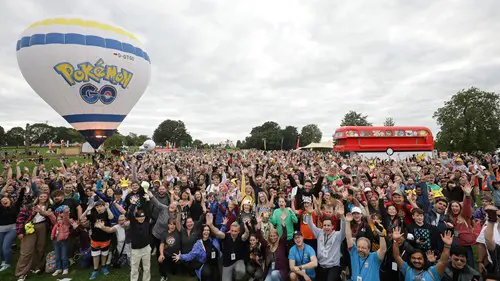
{"x": 273, "y": 264}
{"x": 359, "y": 278}
{"x": 394, "y": 266}
{"x": 366, "y": 265}
{"x": 213, "y": 254}
{"x": 233, "y": 256}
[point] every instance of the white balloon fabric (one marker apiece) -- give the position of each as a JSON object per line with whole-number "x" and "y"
{"x": 91, "y": 73}
{"x": 149, "y": 145}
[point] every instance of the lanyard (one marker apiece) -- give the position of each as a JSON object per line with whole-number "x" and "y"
{"x": 302, "y": 258}
{"x": 326, "y": 238}
{"x": 418, "y": 276}
{"x": 362, "y": 265}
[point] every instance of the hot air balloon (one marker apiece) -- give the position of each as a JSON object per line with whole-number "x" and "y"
{"x": 91, "y": 73}
{"x": 149, "y": 145}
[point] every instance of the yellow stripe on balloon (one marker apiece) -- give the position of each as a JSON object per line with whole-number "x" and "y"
{"x": 84, "y": 23}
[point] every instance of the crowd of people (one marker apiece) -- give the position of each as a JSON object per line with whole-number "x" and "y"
{"x": 255, "y": 215}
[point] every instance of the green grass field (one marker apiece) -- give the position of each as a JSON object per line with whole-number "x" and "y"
{"x": 51, "y": 160}
{"x": 78, "y": 274}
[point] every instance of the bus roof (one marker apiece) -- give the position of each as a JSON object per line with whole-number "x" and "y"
{"x": 355, "y": 128}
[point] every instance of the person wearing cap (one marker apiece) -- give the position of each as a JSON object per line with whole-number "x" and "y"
{"x": 403, "y": 208}
{"x": 458, "y": 269}
{"x": 302, "y": 260}
{"x": 139, "y": 232}
{"x": 479, "y": 214}
{"x": 329, "y": 243}
{"x": 365, "y": 266}
{"x": 304, "y": 228}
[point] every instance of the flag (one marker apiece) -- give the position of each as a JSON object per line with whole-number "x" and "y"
{"x": 174, "y": 145}
{"x": 298, "y": 143}
{"x": 50, "y": 146}
{"x": 281, "y": 143}
{"x": 265, "y": 146}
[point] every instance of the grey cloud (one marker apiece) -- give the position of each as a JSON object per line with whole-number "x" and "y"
{"x": 224, "y": 67}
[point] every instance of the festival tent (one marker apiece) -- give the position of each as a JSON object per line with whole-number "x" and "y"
{"x": 319, "y": 145}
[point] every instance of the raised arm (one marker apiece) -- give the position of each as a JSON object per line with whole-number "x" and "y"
{"x": 447, "y": 238}
{"x": 216, "y": 232}
{"x": 383, "y": 247}
{"x": 348, "y": 231}
{"x": 315, "y": 230}
{"x": 396, "y": 238}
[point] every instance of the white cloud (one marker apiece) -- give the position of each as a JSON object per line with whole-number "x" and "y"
{"x": 224, "y": 67}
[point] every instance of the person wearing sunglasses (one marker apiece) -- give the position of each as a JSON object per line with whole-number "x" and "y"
{"x": 458, "y": 268}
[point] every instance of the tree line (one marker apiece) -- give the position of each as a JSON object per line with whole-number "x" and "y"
{"x": 469, "y": 122}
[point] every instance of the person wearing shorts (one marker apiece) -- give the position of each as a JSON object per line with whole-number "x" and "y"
{"x": 100, "y": 240}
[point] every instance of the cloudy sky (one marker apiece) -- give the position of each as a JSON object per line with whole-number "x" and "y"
{"x": 224, "y": 67}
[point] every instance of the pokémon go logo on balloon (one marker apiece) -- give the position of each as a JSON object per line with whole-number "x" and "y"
{"x": 84, "y": 72}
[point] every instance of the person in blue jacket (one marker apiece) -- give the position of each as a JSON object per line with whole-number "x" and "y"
{"x": 206, "y": 252}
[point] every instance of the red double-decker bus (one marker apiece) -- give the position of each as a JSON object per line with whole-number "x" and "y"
{"x": 384, "y": 140}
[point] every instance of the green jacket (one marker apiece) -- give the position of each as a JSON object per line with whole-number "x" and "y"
{"x": 291, "y": 218}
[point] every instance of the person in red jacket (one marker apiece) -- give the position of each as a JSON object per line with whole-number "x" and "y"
{"x": 404, "y": 209}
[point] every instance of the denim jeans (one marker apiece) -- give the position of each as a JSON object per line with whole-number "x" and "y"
{"x": 6, "y": 240}
{"x": 61, "y": 252}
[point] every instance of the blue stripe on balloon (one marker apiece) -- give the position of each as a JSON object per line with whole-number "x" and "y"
{"x": 79, "y": 118}
{"x": 80, "y": 39}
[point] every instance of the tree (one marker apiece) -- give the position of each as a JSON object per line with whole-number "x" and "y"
{"x": 353, "y": 118}
{"x": 389, "y": 122}
{"x": 115, "y": 141}
{"x": 68, "y": 134}
{"x": 309, "y": 134}
{"x": 290, "y": 135}
{"x": 41, "y": 132}
{"x": 197, "y": 143}
{"x": 469, "y": 122}
{"x": 3, "y": 139}
{"x": 173, "y": 132}
{"x": 15, "y": 136}
{"x": 270, "y": 132}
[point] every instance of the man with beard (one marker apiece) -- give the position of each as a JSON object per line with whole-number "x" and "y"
{"x": 435, "y": 216}
{"x": 416, "y": 269}
{"x": 458, "y": 269}
{"x": 365, "y": 266}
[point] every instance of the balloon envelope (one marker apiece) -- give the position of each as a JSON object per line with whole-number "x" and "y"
{"x": 149, "y": 145}
{"x": 91, "y": 73}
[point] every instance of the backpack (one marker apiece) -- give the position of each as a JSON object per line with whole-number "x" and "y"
{"x": 85, "y": 258}
{"x": 50, "y": 263}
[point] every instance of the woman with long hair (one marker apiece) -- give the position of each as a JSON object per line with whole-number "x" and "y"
{"x": 31, "y": 227}
{"x": 460, "y": 215}
{"x": 276, "y": 259}
{"x": 205, "y": 253}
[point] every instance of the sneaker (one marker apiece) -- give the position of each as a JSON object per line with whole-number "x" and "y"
{"x": 4, "y": 267}
{"x": 93, "y": 275}
{"x": 164, "y": 278}
{"x": 105, "y": 271}
{"x": 36, "y": 271}
{"x": 22, "y": 277}
{"x": 57, "y": 272}
{"x": 65, "y": 272}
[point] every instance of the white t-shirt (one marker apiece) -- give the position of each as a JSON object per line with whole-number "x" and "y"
{"x": 120, "y": 233}
{"x": 496, "y": 237}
